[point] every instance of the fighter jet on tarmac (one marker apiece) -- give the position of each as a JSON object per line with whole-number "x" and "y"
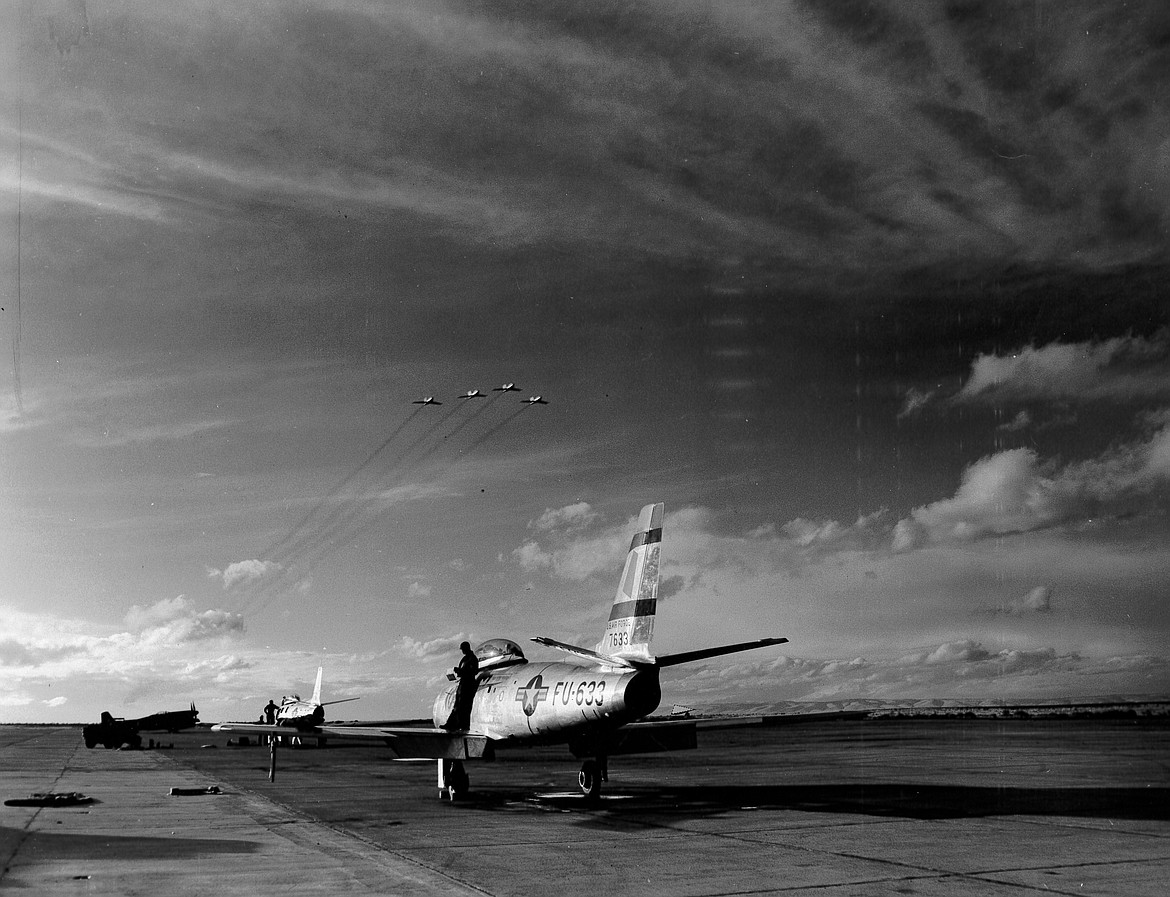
{"x": 304, "y": 715}
{"x": 426, "y": 400}
{"x": 593, "y": 707}
{"x": 534, "y": 400}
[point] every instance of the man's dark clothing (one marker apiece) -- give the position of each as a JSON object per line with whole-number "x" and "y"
{"x": 465, "y": 672}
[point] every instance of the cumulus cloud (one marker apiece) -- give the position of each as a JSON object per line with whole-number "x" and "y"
{"x": 172, "y": 621}
{"x": 1036, "y": 601}
{"x": 805, "y": 532}
{"x": 163, "y": 611}
{"x": 243, "y": 571}
{"x": 418, "y": 590}
{"x": 217, "y": 666}
{"x": 531, "y": 557}
{"x": 1123, "y": 368}
{"x": 957, "y": 652}
{"x": 569, "y": 553}
{"x": 16, "y": 653}
{"x": 434, "y": 649}
{"x": 1013, "y": 492}
{"x": 571, "y": 518}
{"x": 960, "y": 668}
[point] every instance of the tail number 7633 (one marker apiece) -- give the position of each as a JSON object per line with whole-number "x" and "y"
{"x": 618, "y": 639}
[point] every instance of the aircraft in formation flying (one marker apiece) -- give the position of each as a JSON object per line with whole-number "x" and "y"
{"x": 596, "y": 708}
{"x": 476, "y": 394}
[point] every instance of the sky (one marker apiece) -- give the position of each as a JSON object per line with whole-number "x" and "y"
{"x": 872, "y": 295}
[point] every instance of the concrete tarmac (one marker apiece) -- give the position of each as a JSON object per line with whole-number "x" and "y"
{"x": 940, "y": 807}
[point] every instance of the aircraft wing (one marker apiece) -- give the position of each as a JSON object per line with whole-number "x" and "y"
{"x": 260, "y": 729}
{"x": 416, "y": 743}
{"x": 405, "y": 742}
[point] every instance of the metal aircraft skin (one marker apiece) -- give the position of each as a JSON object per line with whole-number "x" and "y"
{"x": 593, "y": 707}
{"x": 534, "y": 400}
{"x": 473, "y": 394}
{"x": 426, "y": 400}
{"x": 304, "y": 715}
{"x": 507, "y": 387}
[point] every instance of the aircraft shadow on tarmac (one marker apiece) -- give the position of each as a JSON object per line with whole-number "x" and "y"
{"x": 105, "y": 846}
{"x": 900, "y": 800}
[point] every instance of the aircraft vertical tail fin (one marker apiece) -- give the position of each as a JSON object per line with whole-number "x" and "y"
{"x": 631, "y": 619}
{"x": 317, "y": 688}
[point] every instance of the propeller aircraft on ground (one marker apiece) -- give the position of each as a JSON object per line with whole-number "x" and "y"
{"x": 594, "y": 707}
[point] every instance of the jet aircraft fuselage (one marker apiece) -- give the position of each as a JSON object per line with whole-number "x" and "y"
{"x": 521, "y": 701}
{"x": 297, "y": 713}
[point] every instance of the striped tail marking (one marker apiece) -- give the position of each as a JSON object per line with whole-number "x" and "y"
{"x": 631, "y": 620}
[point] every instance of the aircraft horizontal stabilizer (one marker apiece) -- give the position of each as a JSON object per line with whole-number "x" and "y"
{"x": 606, "y": 659}
{"x": 669, "y": 660}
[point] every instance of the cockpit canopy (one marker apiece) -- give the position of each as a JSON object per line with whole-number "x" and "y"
{"x": 499, "y": 652}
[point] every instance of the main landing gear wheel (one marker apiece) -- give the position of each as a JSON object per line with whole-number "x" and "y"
{"x": 590, "y": 779}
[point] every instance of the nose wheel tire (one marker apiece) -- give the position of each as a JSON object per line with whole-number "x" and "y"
{"x": 590, "y": 779}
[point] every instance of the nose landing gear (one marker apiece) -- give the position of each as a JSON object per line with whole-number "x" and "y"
{"x": 453, "y": 780}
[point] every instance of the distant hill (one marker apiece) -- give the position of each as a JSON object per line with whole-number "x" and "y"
{"x": 937, "y": 707}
